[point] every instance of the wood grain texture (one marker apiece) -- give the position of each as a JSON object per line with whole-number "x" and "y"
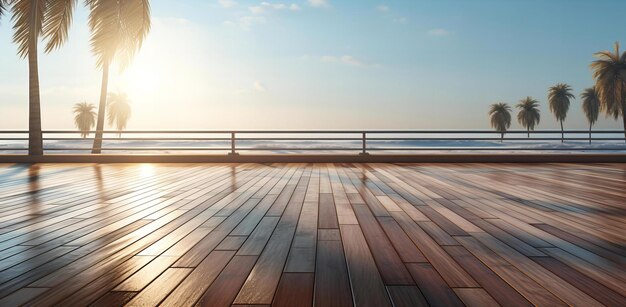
{"x": 304, "y": 234}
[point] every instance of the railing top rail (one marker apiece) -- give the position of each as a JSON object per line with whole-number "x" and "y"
{"x": 439, "y": 131}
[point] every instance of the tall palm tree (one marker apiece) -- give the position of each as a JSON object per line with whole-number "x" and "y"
{"x": 119, "y": 110}
{"x": 559, "y": 99}
{"x": 591, "y": 106}
{"x": 500, "y": 117}
{"x": 84, "y": 117}
{"x": 528, "y": 115}
{"x": 118, "y": 28}
{"x": 609, "y": 71}
{"x": 32, "y": 20}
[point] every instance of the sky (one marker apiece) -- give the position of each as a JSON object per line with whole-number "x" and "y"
{"x": 328, "y": 64}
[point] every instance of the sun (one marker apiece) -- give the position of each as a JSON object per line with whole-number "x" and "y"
{"x": 140, "y": 81}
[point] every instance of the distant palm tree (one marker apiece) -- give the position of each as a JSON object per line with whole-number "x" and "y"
{"x": 32, "y": 20}
{"x": 500, "y": 117}
{"x": 84, "y": 117}
{"x": 609, "y": 71}
{"x": 559, "y": 99}
{"x": 591, "y": 106}
{"x": 528, "y": 115}
{"x": 119, "y": 110}
{"x": 118, "y": 29}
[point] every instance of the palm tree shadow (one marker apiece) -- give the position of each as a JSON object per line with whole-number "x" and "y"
{"x": 97, "y": 169}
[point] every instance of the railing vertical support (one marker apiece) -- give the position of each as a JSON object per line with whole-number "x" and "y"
{"x": 232, "y": 152}
{"x": 364, "y": 140}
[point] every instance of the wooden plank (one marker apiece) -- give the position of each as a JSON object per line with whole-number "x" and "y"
{"x": 523, "y": 284}
{"x": 401, "y": 242}
{"x": 302, "y": 253}
{"x": 114, "y": 298}
{"x": 390, "y": 266}
{"x": 259, "y": 237}
{"x": 332, "y": 285}
{"x": 231, "y": 243}
{"x": 328, "y": 235}
{"x": 146, "y": 275}
{"x": 160, "y": 288}
{"x": 502, "y": 292}
{"x": 223, "y": 290}
{"x": 556, "y": 285}
{"x": 260, "y": 287}
{"x": 22, "y": 296}
{"x": 191, "y": 288}
{"x": 475, "y": 297}
{"x": 367, "y": 284}
{"x": 295, "y": 290}
{"x": 434, "y": 288}
{"x": 327, "y": 212}
{"x": 406, "y": 296}
{"x": 451, "y": 272}
{"x": 593, "y": 288}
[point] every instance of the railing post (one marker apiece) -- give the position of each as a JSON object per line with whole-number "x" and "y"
{"x": 232, "y": 145}
{"x": 364, "y": 140}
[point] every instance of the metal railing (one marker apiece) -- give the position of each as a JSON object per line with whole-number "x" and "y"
{"x": 361, "y": 141}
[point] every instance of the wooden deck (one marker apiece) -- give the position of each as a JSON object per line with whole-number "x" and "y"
{"x": 313, "y": 234}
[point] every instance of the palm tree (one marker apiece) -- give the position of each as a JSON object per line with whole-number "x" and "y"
{"x": 118, "y": 28}
{"x": 609, "y": 71}
{"x": 591, "y": 106}
{"x": 500, "y": 116}
{"x": 84, "y": 117}
{"x": 32, "y": 20}
{"x": 119, "y": 110}
{"x": 3, "y": 6}
{"x": 559, "y": 99}
{"x": 528, "y": 115}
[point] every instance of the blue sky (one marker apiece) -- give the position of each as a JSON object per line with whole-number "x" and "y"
{"x": 329, "y": 64}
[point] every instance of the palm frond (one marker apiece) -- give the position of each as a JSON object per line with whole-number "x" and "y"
{"x": 559, "y": 97}
{"x": 118, "y": 29}
{"x": 57, "y": 21}
{"x": 591, "y": 104}
{"x": 609, "y": 72}
{"x": 500, "y": 116}
{"x": 3, "y": 6}
{"x": 119, "y": 110}
{"x": 84, "y": 117}
{"x": 529, "y": 115}
{"x": 28, "y": 16}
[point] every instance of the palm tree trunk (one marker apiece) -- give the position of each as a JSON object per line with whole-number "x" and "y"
{"x": 97, "y": 142}
{"x": 501, "y": 137}
{"x": 35, "y": 138}
{"x": 624, "y": 118}
{"x": 562, "y": 133}
{"x": 590, "y": 133}
{"x": 528, "y": 130}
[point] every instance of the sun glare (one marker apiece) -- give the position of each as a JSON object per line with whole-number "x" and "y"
{"x": 146, "y": 170}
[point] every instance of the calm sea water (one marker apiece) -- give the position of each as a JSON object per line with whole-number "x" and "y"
{"x": 127, "y": 143}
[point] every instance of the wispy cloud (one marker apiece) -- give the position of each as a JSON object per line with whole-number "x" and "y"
{"x": 266, "y": 6}
{"x": 402, "y": 20}
{"x": 348, "y": 60}
{"x": 227, "y": 3}
{"x": 246, "y": 22}
{"x": 319, "y": 3}
{"x": 259, "y": 87}
{"x": 386, "y": 11}
{"x": 438, "y": 32}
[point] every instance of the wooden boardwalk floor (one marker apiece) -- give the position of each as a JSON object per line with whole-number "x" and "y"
{"x": 313, "y": 234}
